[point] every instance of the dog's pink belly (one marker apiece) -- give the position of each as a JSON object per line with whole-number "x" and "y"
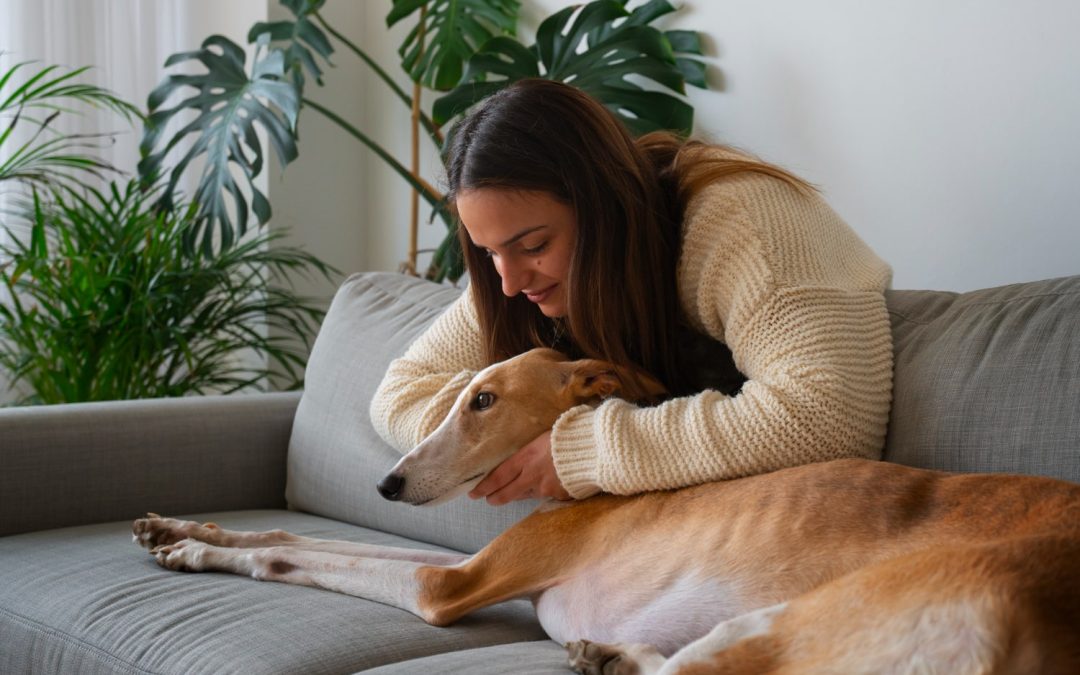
{"x": 603, "y": 606}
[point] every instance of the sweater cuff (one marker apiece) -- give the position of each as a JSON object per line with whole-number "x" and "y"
{"x": 574, "y": 451}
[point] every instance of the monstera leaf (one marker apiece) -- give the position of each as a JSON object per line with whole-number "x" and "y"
{"x": 600, "y": 48}
{"x": 299, "y": 40}
{"x": 229, "y": 108}
{"x": 447, "y": 34}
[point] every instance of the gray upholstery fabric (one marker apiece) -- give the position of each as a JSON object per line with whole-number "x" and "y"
{"x": 88, "y": 600}
{"x": 63, "y": 465}
{"x": 988, "y": 380}
{"x": 520, "y": 658}
{"x": 335, "y": 456}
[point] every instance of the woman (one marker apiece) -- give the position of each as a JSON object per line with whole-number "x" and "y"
{"x": 579, "y": 237}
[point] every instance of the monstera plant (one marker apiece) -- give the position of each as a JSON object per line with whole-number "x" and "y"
{"x": 465, "y": 48}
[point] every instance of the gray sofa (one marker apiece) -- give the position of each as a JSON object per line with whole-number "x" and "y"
{"x": 985, "y": 381}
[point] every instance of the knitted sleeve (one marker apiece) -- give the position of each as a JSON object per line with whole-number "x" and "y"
{"x": 420, "y": 387}
{"x": 798, "y": 298}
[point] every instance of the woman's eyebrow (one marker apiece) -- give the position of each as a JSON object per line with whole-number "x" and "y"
{"x": 521, "y": 234}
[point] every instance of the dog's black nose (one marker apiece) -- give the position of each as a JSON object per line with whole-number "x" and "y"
{"x": 391, "y": 486}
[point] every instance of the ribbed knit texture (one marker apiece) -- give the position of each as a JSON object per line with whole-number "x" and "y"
{"x": 775, "y": 274}
{"x": 420, "y": 387}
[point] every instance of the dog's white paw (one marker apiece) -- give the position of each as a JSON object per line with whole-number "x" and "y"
{"x": 154, "y": 531}
{"x": 187, "y": 555}
{"x": 595, "y": 658}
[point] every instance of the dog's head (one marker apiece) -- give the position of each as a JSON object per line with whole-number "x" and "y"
{"x": 504, "y": 407}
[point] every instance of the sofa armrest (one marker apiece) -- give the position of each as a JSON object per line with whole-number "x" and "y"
{"x": 74, "y": 464}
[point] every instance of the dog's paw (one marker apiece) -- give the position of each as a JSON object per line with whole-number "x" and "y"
{"x": 186, "y": 555}
{"x": 594, "y": 658}
{"x": 153, "y": 531}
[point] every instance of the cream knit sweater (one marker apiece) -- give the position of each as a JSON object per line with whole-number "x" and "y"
{"x": 774, "y": 273}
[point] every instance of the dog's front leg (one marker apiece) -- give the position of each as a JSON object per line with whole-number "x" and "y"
{"x": 155, "y": 531}
{"x": 391, "y": 582}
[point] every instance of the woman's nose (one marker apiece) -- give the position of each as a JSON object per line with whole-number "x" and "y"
{"x": 514, "y": 278}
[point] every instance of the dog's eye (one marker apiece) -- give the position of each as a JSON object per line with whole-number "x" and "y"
{"x": 483, "y": 400}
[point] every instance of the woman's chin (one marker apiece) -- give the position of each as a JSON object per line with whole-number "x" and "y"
{"x": 552, "y": 311}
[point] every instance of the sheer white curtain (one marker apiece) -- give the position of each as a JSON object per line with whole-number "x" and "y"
{"x": 126, "y": 42}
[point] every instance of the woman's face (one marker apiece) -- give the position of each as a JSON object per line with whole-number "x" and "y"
{"x": 530, "y": 238}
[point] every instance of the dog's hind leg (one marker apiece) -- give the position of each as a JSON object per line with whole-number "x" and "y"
{"x": 154, "y": 531}
{"x": 1008, "y": 607}
{"x": 595, "y": 658}
{"x": 592, "y": 658}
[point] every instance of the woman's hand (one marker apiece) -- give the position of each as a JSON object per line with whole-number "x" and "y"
{"x": 526, "y": 474}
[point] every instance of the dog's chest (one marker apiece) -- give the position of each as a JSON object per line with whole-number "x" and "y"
{"x": 604, "y": 605}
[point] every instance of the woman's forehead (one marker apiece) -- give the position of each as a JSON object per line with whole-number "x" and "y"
{"x": 498, "y": 217}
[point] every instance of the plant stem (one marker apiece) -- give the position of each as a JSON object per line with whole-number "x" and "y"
{"x": 429, "y": 126}
{"x": 414, "y": 222}
{"x": 427, "y": 191}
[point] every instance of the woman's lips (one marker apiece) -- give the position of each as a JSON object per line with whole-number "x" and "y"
{"x": 541, "y": 295}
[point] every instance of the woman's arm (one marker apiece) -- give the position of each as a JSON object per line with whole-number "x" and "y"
{"x": 420, "y": 387}
{"x": 798, "y": 299}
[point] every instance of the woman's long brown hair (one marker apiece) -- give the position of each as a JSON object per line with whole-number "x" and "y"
{"x": 628, "y": 195}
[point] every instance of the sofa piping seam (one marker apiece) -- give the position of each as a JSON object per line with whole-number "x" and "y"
{"x": 67, "y": 638}
{"x": 961, "y": 306}
{"x": 1018, "y": 298}
{"x": 907, "y": 318}
{"x": 412, "y": 303}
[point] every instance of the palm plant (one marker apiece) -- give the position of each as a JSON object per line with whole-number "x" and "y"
{"x": 105, "y": 304}
{"x": 455, "y": 45}
{"x": 36, "y": 96}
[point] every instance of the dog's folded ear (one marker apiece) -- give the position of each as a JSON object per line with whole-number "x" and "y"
{"x": 591, "y": 379}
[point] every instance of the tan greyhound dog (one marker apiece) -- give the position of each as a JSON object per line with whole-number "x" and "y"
{"x": 849, "y": 566}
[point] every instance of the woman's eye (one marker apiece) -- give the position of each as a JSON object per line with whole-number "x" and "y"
{"x": 488, "y": 252}
{"x": 536, "y": 249}
{"x": 483, "y": 401}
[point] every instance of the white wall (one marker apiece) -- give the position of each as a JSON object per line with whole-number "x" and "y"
{"x": 946, "y": 133}
{"x": 321, "y": 197}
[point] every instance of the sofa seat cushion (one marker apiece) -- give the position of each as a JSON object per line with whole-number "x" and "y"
{"x": 520, "y": 658}
{"x": 87, "y": 599}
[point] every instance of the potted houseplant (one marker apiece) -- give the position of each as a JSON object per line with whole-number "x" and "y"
{"x": 103, "y": 300}
{"x": 465, "y": 48}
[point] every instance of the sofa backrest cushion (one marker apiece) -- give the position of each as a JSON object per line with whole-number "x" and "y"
{"x": 988, "y": 380}
{"x": 335, "y": 456}
{"x": 985, "y": 381}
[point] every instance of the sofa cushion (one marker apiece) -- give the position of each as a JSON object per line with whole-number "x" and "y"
{"x": 335, "y": 455}
{"x": 988, "y": 380}
{"x": 88, "y": 600}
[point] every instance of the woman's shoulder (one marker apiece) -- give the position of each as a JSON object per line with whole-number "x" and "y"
{"x": 785, "y": 223}
{"x": 723, "y": 172}
{"x": 730, "y": 197}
